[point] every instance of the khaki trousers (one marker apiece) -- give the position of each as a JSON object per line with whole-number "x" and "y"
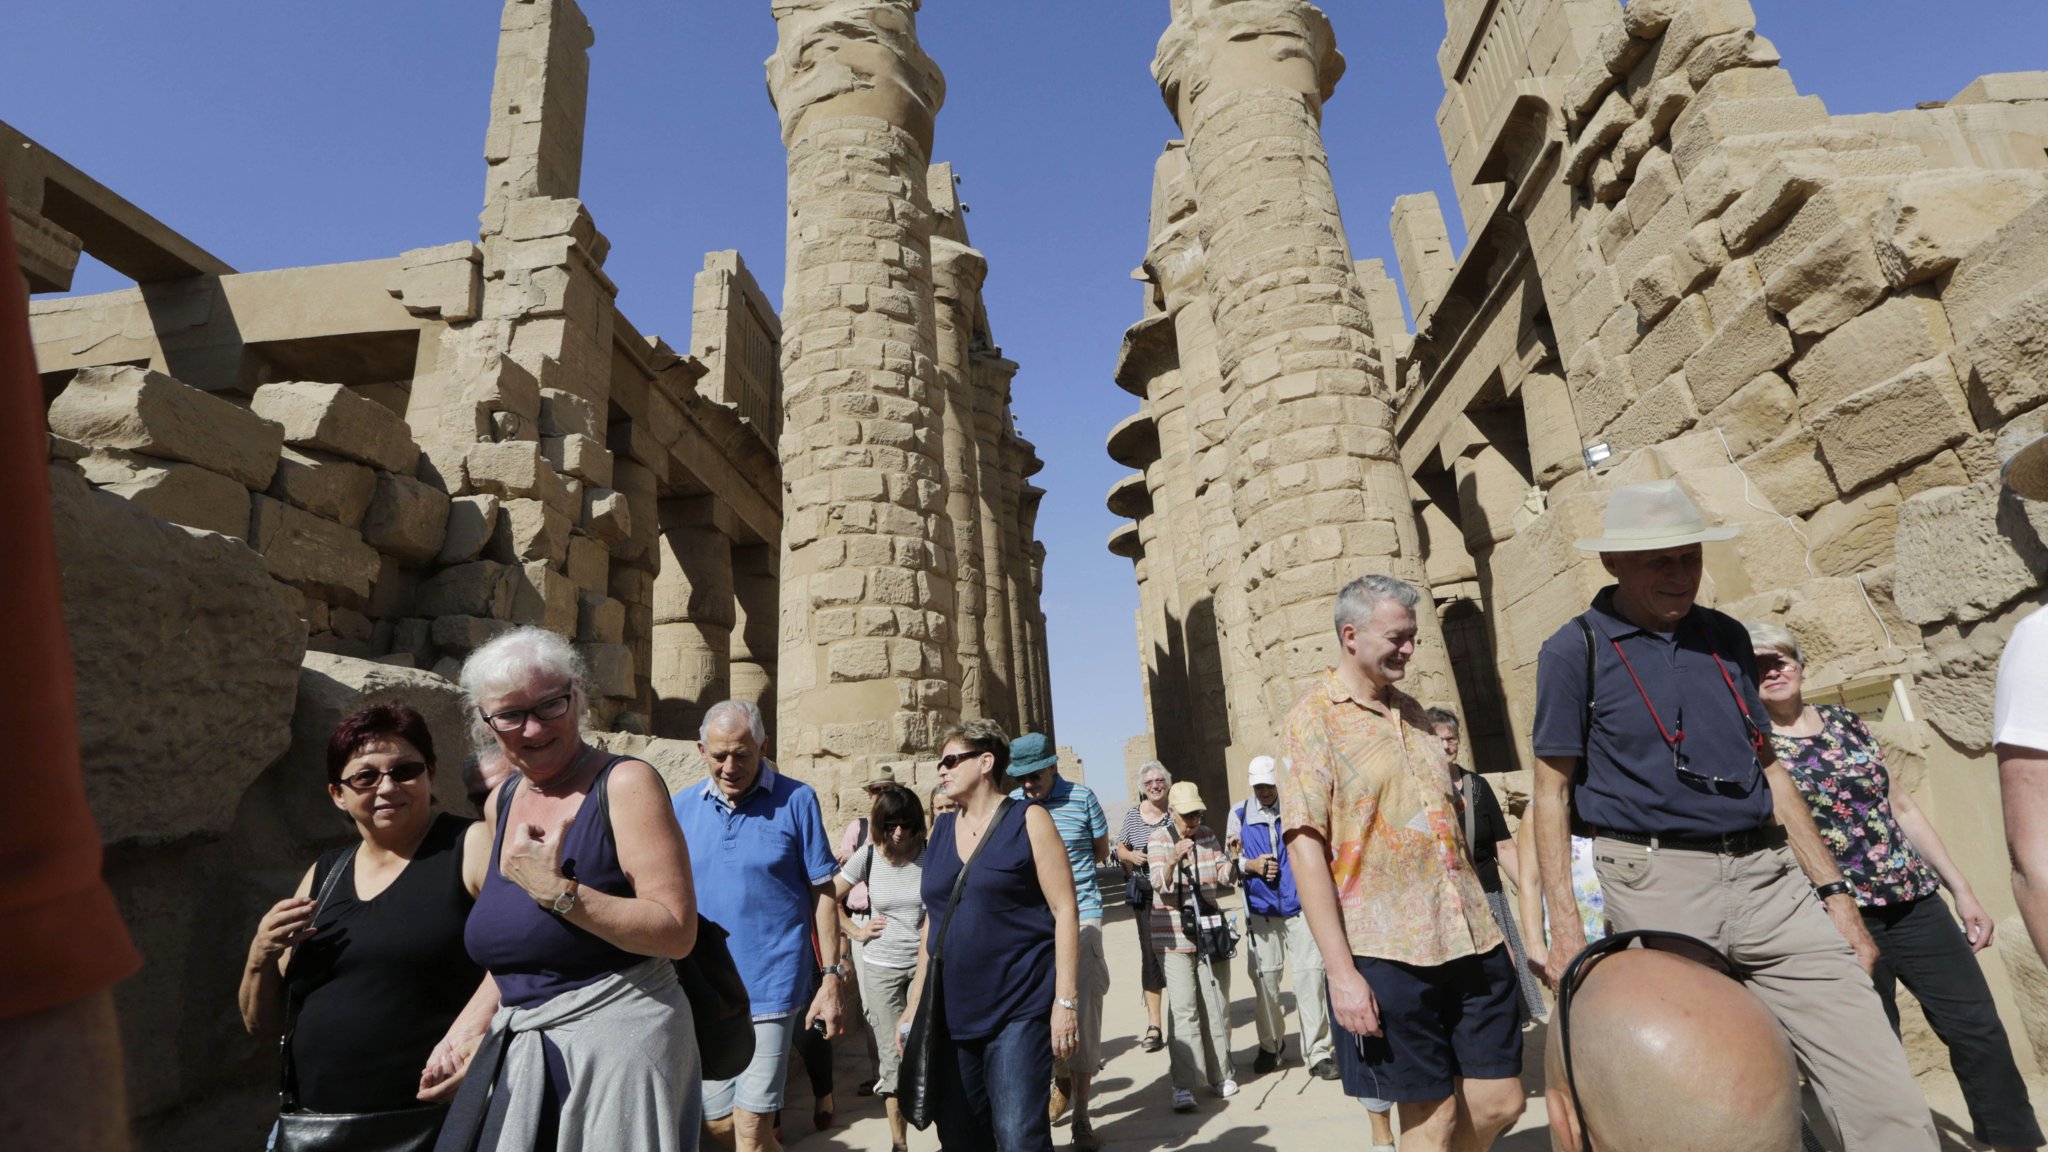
{"x": 1760, "y": 912}
{"x": 1276, "y": 944}
{"x": 1198, "y": 996}
{"x": 1091, "y": 986}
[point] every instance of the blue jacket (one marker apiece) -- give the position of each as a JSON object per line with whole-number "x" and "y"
{"x": 1263, "y": 897}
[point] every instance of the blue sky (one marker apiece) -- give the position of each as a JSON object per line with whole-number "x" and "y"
{"x": 281, "y": 134}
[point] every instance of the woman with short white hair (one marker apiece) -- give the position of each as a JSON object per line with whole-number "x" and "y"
{"x": 1142, "y": 819}
{"x": 587, "y": 902}
{"x": 1894, "y": 864}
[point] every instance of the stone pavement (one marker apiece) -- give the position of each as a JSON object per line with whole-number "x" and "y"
{"x": 1284, "y": 1111}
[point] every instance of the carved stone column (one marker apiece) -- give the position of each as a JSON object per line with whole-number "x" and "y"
{"x": 1317, "y": 489}
{"x": 693, "y": 617}
{"x": 957, "y": 275}
{"x": 990, "y": 376}
{"x": 867, "y": 592}
{"x": 755, "y": 596}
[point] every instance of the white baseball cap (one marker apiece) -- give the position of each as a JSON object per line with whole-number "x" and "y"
{"x": 1262, "y": 771}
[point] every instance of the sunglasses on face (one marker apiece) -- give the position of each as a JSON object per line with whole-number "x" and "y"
{"x": 946, "y": 763}
{"x": 1574, "y": 975}
{"x": 514, "y": 719}
{"x": 368, "y": 779}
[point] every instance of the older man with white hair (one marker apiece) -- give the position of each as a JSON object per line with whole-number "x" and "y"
{"x": 1650, "y": 738}
{"x": 1280, "y": 938}
{"x": 765, "y": 869}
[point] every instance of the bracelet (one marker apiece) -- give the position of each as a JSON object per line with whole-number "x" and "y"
{"x": 1834, "y": 888}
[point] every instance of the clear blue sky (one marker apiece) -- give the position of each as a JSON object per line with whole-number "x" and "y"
{"x": 281, "y": 134}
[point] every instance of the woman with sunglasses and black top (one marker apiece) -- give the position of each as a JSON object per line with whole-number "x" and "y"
{"x": 1895, "y": 864}
{"x": 375, "y": 966}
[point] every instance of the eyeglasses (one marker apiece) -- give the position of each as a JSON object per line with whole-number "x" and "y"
{"x": 1682, "y": 764}
{"x": 368, "y": 779}
{"x": 946, "y": 763}
{"x": 1574, "y": 975}
{"x": 513, "y": 719}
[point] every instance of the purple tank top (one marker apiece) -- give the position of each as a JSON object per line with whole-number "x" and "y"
{"x": 534, "y": 954}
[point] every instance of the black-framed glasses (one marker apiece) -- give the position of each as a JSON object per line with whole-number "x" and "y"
{"x": 1682, "y": 764}
{"x": 947, "y": 763}
{"x": 1652, "y": 939}
{"x": 368, "y": 779}
{"x": 513, "y": 719}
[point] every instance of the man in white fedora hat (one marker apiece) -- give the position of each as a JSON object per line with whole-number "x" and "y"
{"x": 1664, "y": 759}
{"x": 2019, "y": 727}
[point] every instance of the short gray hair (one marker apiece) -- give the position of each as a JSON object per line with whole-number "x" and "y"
{"x": 516, "y": 660}
{"x": 1363, "y": 597}
{"x": 1765, "y": 634}
{"x": 1440, "y": 716}
{"x": 1151, "y": 766}
{"x": 731, "y": 712}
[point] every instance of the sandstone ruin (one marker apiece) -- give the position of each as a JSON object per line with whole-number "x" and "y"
{"x": 285, "y": 493}
{"x": 1830, "y": 329}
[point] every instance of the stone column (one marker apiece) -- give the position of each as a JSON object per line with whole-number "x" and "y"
{"x": 990, "y": 376}
{"x": 1016, "y": 582}
{"x": 957, "y": 275}
{"x": 756, "y": 598}
{"x": 866, "y": 594}
{"x": 693, "y": 616}
{"x": 1038, "y": 670}
{"x": 1317, "y": 488}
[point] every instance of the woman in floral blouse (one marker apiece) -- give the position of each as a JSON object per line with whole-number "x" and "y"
{"x": 1895, "y": 864}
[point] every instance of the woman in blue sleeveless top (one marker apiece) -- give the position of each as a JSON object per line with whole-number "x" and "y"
{"x": 1007, "y": 962}
{"x": 587, "y": 901}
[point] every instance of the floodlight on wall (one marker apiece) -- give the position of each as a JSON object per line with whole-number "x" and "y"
{"x": 1597, "y": 454}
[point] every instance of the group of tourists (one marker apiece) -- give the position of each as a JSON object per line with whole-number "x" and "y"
{"x": 522, "y": 981}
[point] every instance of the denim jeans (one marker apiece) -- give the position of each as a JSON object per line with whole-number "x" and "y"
{"x": 991, "y": 1094}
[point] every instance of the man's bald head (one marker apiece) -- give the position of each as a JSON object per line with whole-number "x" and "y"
{"x": 1669, "y": 1054}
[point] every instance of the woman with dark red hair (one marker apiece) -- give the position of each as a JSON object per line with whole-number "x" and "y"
{"x": 364, "y": 965}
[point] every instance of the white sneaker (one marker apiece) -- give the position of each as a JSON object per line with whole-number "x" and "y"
{"x": 1183, "y": 1100}
{"x": 1227, "y": 1089}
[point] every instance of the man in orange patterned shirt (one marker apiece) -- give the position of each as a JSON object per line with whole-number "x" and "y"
{"x": 1418, "y": 973}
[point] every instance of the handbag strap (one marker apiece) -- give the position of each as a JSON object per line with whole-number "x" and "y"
{"x": 288, "y": 1089}
{"x": 960, "y": 881}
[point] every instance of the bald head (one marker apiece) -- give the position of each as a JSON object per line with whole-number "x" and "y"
{"x": 1669, "y": 1054}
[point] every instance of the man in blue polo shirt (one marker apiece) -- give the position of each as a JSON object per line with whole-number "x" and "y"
{"x": 1279, "y": 933}
{"x": 1696, "y": 827}
{"x": 764, "y": 870}
{"x": 1083, "y": 828}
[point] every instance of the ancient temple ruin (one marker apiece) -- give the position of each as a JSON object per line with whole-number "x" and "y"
{"x": 1829, "y": 329}
{"x": 283, "y": 493}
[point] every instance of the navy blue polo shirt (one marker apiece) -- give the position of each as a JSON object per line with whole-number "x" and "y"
{"x": 1626, "y": 780}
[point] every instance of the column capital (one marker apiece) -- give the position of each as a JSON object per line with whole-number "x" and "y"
{"x": 1214, "y": 47}
{"x": 965, "y": 268}
{"x": 838, "y": 58}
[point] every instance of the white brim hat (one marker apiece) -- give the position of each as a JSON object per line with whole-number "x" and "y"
{"x": 2027, "y": 472}
{"x": 1650, "y": 517}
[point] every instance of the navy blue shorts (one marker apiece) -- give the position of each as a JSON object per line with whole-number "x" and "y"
{"x": 1437, "y": 1025}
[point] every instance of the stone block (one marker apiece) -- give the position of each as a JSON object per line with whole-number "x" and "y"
{"x": 1758, "y": 413}
{"x": 1832, "y": 282}
{"x": 1654, "y": 290}
{"x": 1785, "y": 183}
{"x": 1602, "y": 130}
{"x": 599, "y": 619}
{"x": 152, "y": 414}
{"x": 1790, "y": 473}
{"x": 589, "y": 564}
{"x": 2005, "y": 266}
{"x": 1942, "y": 470}
{"x": 611, "y": 670}
{"x": 479, "y": 588}
{"x": 529, "y": 530}
{"x": 1696, "y": 261}
{"x": 327, "y": 486}
{"x": 444, "y": 282}
{"x": 1934, "y": 219}
{"x": 334, "y": 418}
{"x": 143, "y": 598}
{"x": 1873, "y": 347}
{"x": 518, "y": 469}
{"x": 607, "y": 516}
{"x": 1841, "y": 201}
{"x": 1748, "y": 343}
{"x": 1854, "y": 535}
{"x": 1742, "y": 48}
{"x": 2004, "y": 363}
{"x": 1670, "y": 343}
{"x": 1835, "y": 624}
{"x": 313, "y": 555}
{"x": 1656, "y": 416}
{"x": 580, "y": 456}
{"x": 407, "y": 519}
{"x": 461, "y": 635}
{"x": 1705, "y": 125}
{"x": 1890, "y": 426}
{"x": 567, "y": 414}
{"x": 543, "y": 596}
{"x": 1731, "y": 289}
{"x": 1965, "y": 553}
{"x": 170, "y": 490}
{"x": 472, "y": 521}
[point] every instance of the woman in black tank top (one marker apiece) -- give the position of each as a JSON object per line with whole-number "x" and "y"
{"x": 375, "y": 968}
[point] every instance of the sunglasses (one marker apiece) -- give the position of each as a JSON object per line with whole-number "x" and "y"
{"x": 1574, "y": 975}
{"x": 369, "y": 778}
{"x": 1682, "y": 765}
{"x": 513, "y": 719}
{"x": 948, "y": 762}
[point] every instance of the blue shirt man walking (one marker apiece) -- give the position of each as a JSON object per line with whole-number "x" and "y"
{"x": 1279, "y": 934}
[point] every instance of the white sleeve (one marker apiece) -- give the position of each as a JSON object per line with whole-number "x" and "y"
{"x": 2019, "y": 716}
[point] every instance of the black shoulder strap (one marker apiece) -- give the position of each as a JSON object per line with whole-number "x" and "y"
{"x": 861, "y": 836}
{"x": 603, "y": 796}
{"x": 960, "y": 881}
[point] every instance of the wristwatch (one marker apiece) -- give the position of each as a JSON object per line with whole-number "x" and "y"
{"x": 1069, "y": 1005}
{"x": 838, "y": 970}
{"x": 566, "y": 902}
{"x": 1834, "y": 888}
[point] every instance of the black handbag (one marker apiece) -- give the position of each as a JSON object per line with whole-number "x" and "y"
{"x": 720, "y": 1009}
{"x": 1138, "y": 888}
{"x": 298, "y": 1130}
{"x": 1202, "y": 920}
{"x": 914, "y": 1071}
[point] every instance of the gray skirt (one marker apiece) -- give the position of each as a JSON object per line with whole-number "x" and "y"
{"x": 1531, "y": 989}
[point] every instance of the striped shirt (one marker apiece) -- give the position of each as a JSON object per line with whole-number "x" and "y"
{"x": 1078, "y": 815}
{"x": 1212, "y": 874}
{"x": 1136, "y": 831}
{"x": 895, "y": 892}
